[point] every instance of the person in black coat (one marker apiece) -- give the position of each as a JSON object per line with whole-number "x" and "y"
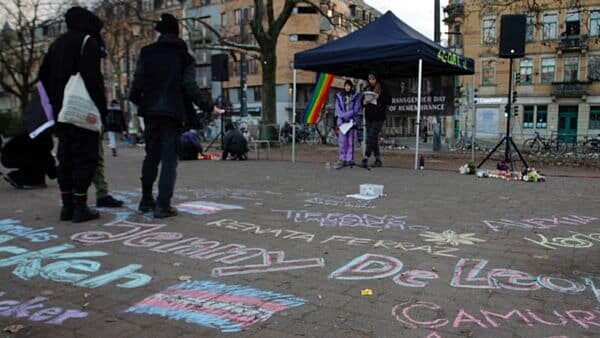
{"x": 234, "y": 143}
{"x": 77, "y": 147}
{"x": 164, "y": 75}
{"x": 375, "y": 114}
{"x": 32, "y": 160}
{"x": 115, "y": 125}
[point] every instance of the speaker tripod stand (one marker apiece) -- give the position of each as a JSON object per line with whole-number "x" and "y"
{"x": 507, "y": 139}
{"x": 220, "y": 135}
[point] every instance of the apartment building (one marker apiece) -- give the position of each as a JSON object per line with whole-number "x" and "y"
{"x": 558, "y": 89}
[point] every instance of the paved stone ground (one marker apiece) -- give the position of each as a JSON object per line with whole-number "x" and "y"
{"x": 310, "y": 252}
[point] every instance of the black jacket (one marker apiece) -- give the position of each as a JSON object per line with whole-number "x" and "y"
{"x": 22, "y": 152}
{"x": 235, "y": 143}
{"x": 64, "y": 59}
{"x": 115, "y": 120}
{"x": 164, "y": 75}
{"x": 378, "y": 112}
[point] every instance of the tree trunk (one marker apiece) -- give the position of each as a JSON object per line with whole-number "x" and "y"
{"x": 269, "y": 77}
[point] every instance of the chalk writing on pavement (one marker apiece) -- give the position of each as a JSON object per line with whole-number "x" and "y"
{"x": 36, "y": 311}
{"x": 28, "y": 264}
{"x": 538, "y": 223}
{"x": 229, "y": 308}
{"x": 147, "y": 236}
{"x": 350, "y": 220}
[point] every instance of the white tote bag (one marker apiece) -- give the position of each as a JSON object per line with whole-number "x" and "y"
{"x": 78, "y": 108}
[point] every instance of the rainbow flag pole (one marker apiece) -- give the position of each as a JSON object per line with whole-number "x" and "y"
{"x": 318, "y": 98}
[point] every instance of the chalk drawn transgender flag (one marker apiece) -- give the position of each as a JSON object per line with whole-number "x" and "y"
{"x": 229, "y": 308}
{"x": 205, "y": 208}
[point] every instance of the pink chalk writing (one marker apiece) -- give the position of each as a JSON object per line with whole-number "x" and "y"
{"x": 350, "y": 220}
{"x": 538, "y": 223}
{"x": 408, "y": 312}
{"x": 147, "y": 236}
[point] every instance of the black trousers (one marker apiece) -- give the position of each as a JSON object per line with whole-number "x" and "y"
{"x": 77, "y": 158}
{"x": 162, "y": 147}
{"x": 373, "y": 130}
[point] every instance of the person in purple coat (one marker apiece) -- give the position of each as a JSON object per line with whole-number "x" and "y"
{"x": 347, "y": 107}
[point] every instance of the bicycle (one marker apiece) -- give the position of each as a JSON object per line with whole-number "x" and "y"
{"x": 591, "y": 145}
{"x": 463, "y": 143}
{"x": 534, "y": 145}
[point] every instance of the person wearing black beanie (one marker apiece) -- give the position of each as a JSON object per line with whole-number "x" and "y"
{"x": 157, "y": 91}
{"x": 167, "y": 24}
{"x": 77, "y": 147}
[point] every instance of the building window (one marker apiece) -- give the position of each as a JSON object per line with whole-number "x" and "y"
{"x": 526, "y": 71}
{"x": 489, "y": 30}
{"x": 572, "y": 23}
{"x": 594, "y": 117}
{"x": 541, "y": 117}
{"x": 528, "y": 117}
{"x": 257, "y": 90}
{"x": 549, "y": 26}
{"x": 594, "y": 68}
{"x": 238, "y": 16}
{"x": 304, "y": 37}
{"x": 252, "y": 67}
{"x": 548, "y": 69}
{"x": 223, "y": 19}
{"x": 530, "y": 28}
{"x": 595, "y": 23}
{"x": 306, "y": 10}
{"x": 488, "y": 73}
{"x": 571, "y": 69}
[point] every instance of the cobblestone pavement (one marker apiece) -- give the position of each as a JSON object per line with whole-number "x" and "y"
{"x": 274, "y": 249}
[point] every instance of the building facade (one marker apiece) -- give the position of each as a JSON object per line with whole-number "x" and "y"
{"x": 557, "y": 83}
{"x": 307, "y": 28}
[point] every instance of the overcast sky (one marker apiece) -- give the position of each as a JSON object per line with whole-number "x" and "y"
{"x": 417, "y": 13}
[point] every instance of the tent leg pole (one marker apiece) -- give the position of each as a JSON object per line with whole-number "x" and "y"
{"x": 364, "y": 139}
{"x": 294, "y": 119}
{"x": 420, "y": 79}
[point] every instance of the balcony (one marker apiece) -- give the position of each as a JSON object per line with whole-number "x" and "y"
{"x": 575, "y": 89}
{"x": 453, "y": 12}
{"x": 572, "y": 43}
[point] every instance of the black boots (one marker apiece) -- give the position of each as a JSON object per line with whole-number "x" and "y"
{"x": 75, "y": 209}
{"x": 66, "y": 212}
{"x": 108, "y": 202}
{"x": 81, "y": 211}
{"x": 164, "y": 212}
{"x": 147, "y": 204}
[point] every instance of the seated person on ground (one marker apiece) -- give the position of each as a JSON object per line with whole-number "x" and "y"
{"x": 190, "y": 146}
{"x": 31, "y": 159}
{"x": 234, "y": 143}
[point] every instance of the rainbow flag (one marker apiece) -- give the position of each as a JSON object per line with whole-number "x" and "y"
{"x": 318, "y": 98}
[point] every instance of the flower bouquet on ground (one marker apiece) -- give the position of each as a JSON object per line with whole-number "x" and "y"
{"x": 532, "y": 175}
{"x": 468, "y": 169}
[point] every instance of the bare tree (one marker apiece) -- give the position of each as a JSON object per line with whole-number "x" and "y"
{"x": 266, "y": 26}
{"x": 21, "y": 46}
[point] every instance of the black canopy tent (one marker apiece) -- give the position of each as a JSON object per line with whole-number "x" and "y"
{"x": 389, "y": 47}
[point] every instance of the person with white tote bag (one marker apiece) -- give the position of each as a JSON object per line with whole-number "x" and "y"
{"x": 71, "y": 75}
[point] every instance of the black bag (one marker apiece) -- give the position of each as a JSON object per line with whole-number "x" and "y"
{"x": 38, "y": 116}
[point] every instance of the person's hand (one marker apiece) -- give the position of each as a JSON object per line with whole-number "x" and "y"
{"x": 217, "y": 111}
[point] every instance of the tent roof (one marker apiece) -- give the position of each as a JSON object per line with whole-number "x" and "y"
{"x": 387, "y": 46}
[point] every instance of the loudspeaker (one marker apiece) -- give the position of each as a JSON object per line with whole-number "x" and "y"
{"x": 219, "y": 67}
{"x": 512, "y": 36}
